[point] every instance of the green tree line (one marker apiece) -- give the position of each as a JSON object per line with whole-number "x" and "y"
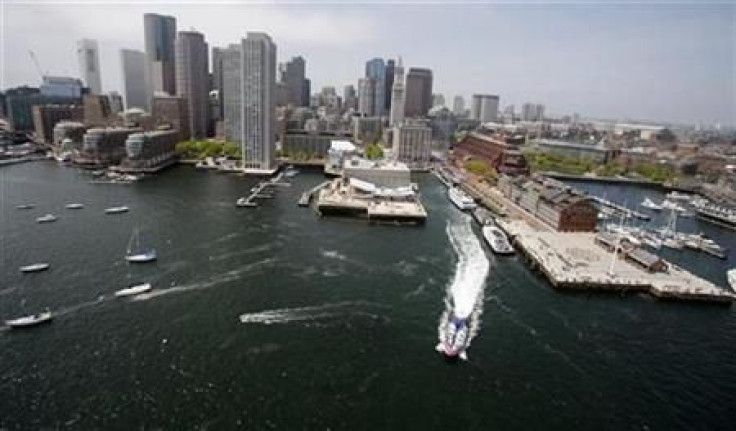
{"x": 200, "y": 149}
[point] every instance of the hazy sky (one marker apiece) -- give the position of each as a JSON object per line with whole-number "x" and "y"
{"x": 658, "y": 61}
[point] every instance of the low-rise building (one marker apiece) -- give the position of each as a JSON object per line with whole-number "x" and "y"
{"x": 309, "y": 144}
{"x": 367, "y": 129}
{"x": 553, "y": 202}
{"x": 97, "y": 110}
{"x": 596, "y": 151}
{"x": 45, "y": 117}
{"x": 382, "y": 173}
{"x": 172, "y": 111}
{"x": 500, "y": 150}
{"x": 104, "y": 146}
{"x": 149, "y": 150}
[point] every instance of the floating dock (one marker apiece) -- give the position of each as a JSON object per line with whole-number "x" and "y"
{"x": 574, "y": 261}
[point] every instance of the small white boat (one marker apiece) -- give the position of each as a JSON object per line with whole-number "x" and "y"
{"x": 36, "y": 267}
{"x": 497, "y": 240}
{"x": 732, "y": 278}
{"x": 648, "y": 203}
{"x": 28, "y": 321}
{"x": 25, "y": 207}
{"x": 74, "y": 206}
{"x": 243, "y": 202}
{"x": 140, "y": 256}
{"x": 117, "y": 210}
{"x": 461, "y": 199}
{"x": 672, "y": 243}
{"x": 134, "y": 289}
{"x": 48, "y": 218}
{"x": 677, "y": 196}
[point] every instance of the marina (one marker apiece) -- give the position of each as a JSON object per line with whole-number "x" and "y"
{"x": 620, "y": 209}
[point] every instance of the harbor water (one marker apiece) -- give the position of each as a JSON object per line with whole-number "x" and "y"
{"x": 272, "y": 317}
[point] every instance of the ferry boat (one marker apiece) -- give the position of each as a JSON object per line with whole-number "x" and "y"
{"x": 135, "y": 289}
{"x": 31, "y": 320}
{"x": 648, "y": 203}
{"x": 732, "y": 278}
{"x": 719, "y": 215}
{"x": 36, "y": 267}
{"x": 497, "y": 240}
{"x": 48, "y": 218}
{"x": 461, "y": 199}
{"x": 117, "y": 210}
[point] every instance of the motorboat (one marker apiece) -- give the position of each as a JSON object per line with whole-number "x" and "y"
{"x": 25, "y": 206}
{"x": 731, "y": 274}
{"x": 48, "y": 218}
{"x": 36, "y": 267}
{"x": 117, "y": 210}
{"x": 461, "y": 199}
{"x": 243, "y": 202}
{"x": 497, "y": 240}
{"x": 74, "y": 206}
{"x": 134, "y": 289}
{"x": 648, "y": 203}
{"x": 141, "y": 256}
{"x": 670, "y": 205}
{"x": 456, "y": 336}
{"x": 31, "y": 320}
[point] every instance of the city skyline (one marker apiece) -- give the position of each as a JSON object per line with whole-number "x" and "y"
{"x": 622, "y": 67}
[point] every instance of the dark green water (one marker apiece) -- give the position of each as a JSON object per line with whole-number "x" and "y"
{"x": 342, "y": 323}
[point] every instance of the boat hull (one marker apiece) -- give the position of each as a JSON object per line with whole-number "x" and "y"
{"x": 30, "y": 321}
{"x": 134, "y": 290}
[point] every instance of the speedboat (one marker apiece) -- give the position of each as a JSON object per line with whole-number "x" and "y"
{"x": 117, "y": 210}
{"x": 243, "y": 202}
{"x": 456, "y": 338}
{"x": 732, "y": 278}
{"x": 74, "y": 206}
{"x": 461, "y": 199}
{"x": 48, "y": 218}
{"x": 36, "y": 267}
{"x": 648, "y": 203}
{"x": 25, "y": 206}
{"x": 497, "y": 240}
{"x": 32, "y": 320}
{"x": 146, "y": 256}
{"x": 134, "y": 289}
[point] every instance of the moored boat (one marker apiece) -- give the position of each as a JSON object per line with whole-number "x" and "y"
{"x": 731, "y": 274}
{"x": 648, "y": 203}
{"x": 461, "y": 199}
{"x": 36, "y": 267}
{"x": 243, "y": 202}
{"x": 497, "y": 240}
{"x": 134, "y": 289}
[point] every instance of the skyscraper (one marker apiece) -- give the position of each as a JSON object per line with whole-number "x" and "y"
{"x": 375, "y": 70}
{"x": 231, "y": 92}
{"x": 397, "y": 96}
{"x": 366, "y": 96}
{"x": 250, "y": 93}
{"x": 89, "y": 65}
{"x": 390, "y": 72}
{"x": 160, "y": 34}
{"x": 134, "y": 79}
{"x": 458, "y": 106}
{"x": 418, "y": 92}
{"x": 350, "y": 98}
{"x": 293, "y": 75}
{"x": 484, "y": 108}
{"x": 217, "y": 71}
{"x": 192, "y": 79}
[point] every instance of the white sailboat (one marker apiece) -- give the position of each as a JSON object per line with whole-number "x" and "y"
{"x": 135, "y": 289}
{"x": 139, "y": 256}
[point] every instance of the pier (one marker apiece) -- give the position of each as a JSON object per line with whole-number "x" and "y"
{"x": 257, "y": 191}
{"x": 574, "y": 261}
{"x": 306, "y": 197}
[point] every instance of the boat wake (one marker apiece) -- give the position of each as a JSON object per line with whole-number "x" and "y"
{"x": 460, "y": 321}
{"x": 309, "y": 313}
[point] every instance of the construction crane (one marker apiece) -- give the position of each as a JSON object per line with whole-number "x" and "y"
{"x": 35, "y": 61}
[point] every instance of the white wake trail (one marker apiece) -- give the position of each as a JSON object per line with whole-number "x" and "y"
{"x": 471, "y": 269}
